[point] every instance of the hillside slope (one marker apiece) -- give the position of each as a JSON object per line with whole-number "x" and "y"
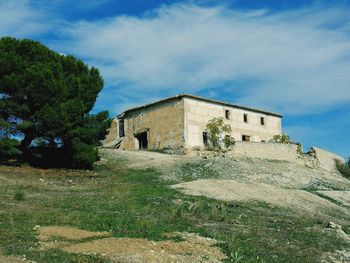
{"x": 153, "y": 207}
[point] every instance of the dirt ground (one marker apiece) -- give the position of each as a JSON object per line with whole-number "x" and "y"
{"x": 190, "y": 248}
{"x": 70, "y": 233}
{"x": 230, "y": 190}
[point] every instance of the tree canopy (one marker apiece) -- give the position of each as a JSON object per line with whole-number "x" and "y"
{"x": 46, "y": 99}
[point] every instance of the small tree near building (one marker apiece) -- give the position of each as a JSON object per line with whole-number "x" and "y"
{"x": 218, "y": 133}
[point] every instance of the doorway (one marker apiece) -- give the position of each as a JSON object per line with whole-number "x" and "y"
{"x": 142, "y": 139}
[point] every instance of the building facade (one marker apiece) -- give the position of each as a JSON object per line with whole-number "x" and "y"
{"x": 180, "y": 122}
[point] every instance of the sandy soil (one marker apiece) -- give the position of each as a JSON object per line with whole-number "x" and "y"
{"x": 70, "y": 233}
{"x": 193, "y": 248}
{"x": 229, "y": 190}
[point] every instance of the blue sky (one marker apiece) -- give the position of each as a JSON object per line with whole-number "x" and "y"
{"x": 292, "y": 57}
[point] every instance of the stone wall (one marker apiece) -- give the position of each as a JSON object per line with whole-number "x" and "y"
{"x": 266, "y": 150}
{"x": 163, "y": 124}
{"x": 198, "y": 113}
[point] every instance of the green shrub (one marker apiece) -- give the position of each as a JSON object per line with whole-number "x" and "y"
{"x": 18, "y": 195}
{"x": 284, "y": 138}
{"x": 229, "y": 141}
{"x": 83, "y": 155}
{"x": 343, "y": 168}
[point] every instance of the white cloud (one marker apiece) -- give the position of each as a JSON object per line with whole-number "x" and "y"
{"x": 297, "y": 61}
{"x": 20, "y": 19}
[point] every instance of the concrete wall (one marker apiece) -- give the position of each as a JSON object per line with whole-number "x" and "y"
{"x": 266, "y": 150}
{"x": 327, "y": 159}
{"x": 198, "y": 113}
{"x": 164, "y": 125}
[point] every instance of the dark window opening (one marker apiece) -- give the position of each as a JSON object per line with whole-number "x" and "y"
{"x": 262, "y": 121}
{"x": 205, "y": 138}
{"x": 227, "y": 114}
{"x": 121, "y": 128}
{"x": 245, "y": 117}
{"x": 143, "y": 141}
{"x": 245, "y": 138}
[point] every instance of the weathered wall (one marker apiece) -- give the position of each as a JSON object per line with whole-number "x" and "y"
{"x": 198, "y": 113}
{"x": 112, "y": 133}
{"x": 327, "y": 159}
{"x": 267, "y": 150}
{"x": 163, "y": 123}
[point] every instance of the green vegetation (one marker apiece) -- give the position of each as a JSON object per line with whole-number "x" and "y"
{"x": 136, "y": 203}
{"x": 19, "y": 195}
{"x": 343, "y": 168}
{"x": 217, "y": 131}
{"x": 45, "y": 99}
{"x": 284, "y": 138}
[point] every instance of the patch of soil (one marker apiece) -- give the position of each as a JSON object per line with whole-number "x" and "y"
{"x": 229, "y": 190}
{"x": 191, "y": 248}
{"x": 68, "y": 233}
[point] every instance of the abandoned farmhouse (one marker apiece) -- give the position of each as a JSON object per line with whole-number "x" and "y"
{"x": 180, "y": 122}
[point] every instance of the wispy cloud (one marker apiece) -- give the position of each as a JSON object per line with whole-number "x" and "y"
{"x": 294, "y": 62}
{"x": 20, "y": 19}
{"x": 297, "y": 61}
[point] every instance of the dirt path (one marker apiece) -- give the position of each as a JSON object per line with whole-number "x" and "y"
{"x": 229, "y": 190}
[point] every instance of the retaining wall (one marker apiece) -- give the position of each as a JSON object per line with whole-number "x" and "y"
{"x": 266, "y": 150}
{"x": 327, "y": 159}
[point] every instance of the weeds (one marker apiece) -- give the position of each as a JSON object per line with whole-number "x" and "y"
{"x": 19, "y": 195}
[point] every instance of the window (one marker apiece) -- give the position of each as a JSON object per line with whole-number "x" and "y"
{"x": 245, "y": 118}
{"x": 245, "y": 138}
{"x": 262, "y": 120}
{"x": 121, "y": 128}
{"x": 227, "y": 114}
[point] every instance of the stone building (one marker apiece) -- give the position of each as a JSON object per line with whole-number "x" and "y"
{"x": 180, "y": 122}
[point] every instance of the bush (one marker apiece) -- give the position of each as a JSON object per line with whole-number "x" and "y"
{"x": 229, "y": 141}
{"x": 284, "y": 138}
{"x": 83, "y": 155}
{"x": 19, "y": 195}
{"x": 343, "y": 168}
